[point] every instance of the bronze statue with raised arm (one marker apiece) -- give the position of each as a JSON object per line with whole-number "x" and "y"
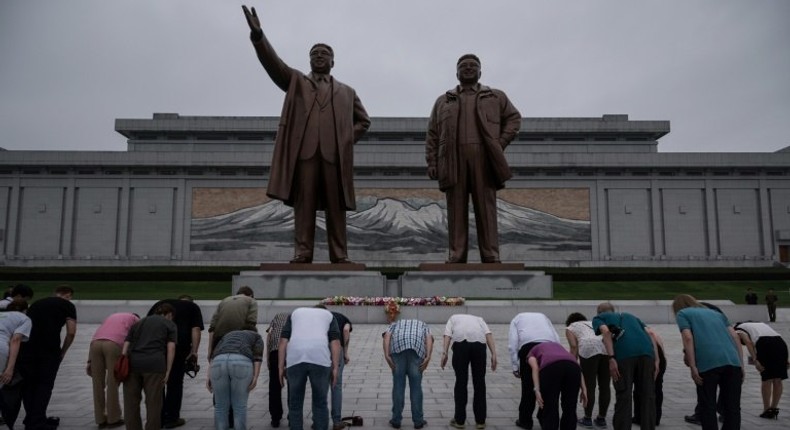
{"x": 469, "y": 128}
{"x": 312, "y": 164}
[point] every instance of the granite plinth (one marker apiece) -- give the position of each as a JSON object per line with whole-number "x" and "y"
{"x": 312, "y": 284}
{"x": 470, "y": 267}
{"x": 312, "y": 267}
{"x": 478, "y": 284}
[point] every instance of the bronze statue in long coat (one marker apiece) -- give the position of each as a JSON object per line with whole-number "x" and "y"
{"x": 312, "y": 164}
{"x": 469, "y": 128}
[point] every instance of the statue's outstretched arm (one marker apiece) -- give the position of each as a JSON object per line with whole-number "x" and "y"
{"x": 278, "y": 71}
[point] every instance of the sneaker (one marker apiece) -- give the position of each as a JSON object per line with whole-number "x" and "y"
{"x": 600, "y": 422}
{"x": 586, "y": 422}
{"x": 480, "y": 426}
{"x": 339, "y": 426}
{"x": 395, "y": 425}
{"x": 421, "y": 425}
{"x": 692, "y": 419}
{"x": 456, "y": 425}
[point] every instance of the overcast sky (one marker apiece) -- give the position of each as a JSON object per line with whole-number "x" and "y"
{"x": 718, "y": 70}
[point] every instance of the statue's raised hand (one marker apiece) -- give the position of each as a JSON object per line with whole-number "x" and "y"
{"x": 255, "y": 24}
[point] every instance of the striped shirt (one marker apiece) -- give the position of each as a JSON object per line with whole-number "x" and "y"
{"x": 245, "y": 342}
{"x": 409, "y": 334}
{"x": 274, "y": 331}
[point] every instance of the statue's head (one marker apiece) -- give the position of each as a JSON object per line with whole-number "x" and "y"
{"x": 468, "y": 69}
{"x": 322, "y": 58}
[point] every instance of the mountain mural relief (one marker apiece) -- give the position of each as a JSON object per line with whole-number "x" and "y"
{"x": 386, "y": 230}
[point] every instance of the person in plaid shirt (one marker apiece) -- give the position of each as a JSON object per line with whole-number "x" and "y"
{"x": 408, "y": 345}
{"x": 272, "y": 361}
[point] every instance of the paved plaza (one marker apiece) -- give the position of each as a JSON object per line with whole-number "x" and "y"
{"x": 368, "y": 384}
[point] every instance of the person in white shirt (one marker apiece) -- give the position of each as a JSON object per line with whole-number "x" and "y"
{"x": 527, "y": 329}
{"x": 469, "y": 336}
{"x": 768, "y": 354}
{"x": 591, "y": 354}
{"x": 309, "y": 349}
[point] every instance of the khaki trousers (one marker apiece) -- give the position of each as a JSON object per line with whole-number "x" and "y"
{"x": 106, "y": 402}
{"x": 152, "y": 385}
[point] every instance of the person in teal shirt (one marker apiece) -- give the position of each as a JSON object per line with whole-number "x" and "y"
{"x": 632, "y": 363}
{"x": 715, "y": 359}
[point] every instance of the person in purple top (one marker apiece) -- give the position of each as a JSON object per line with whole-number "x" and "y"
{"x": 551, "y": 363}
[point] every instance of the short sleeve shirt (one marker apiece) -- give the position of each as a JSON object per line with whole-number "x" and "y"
{"x": 187, "y": 316}
{"x": 589, "y": 343}
{"x": 469, "y": 328}
{"x": 409, "y": 334}
{"x": 634, "y": 342}
{"x": 48, "y": 315}
{"x": 148, "y": 340}
{"x": 713, "y": 345}
{"x": 549, "y": 353}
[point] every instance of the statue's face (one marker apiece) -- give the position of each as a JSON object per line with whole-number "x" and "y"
{"x": 321, "y": 60}
{"x": 468, "y": 71}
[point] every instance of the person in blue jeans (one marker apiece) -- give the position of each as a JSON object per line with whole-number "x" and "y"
{"x": 233, "y": 372}
{"x": 310, "y": 348}
{"x": 408, "y": 345}
{"x": 345, "y": 327}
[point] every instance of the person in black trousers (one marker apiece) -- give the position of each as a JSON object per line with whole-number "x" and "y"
{"x": 469, "y": 336}
{"x": 659, "y": 382}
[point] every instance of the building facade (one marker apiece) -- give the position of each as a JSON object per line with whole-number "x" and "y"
{"x": 585, "y": 192}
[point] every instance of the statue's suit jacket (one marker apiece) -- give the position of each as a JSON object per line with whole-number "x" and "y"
{"x": 498, "y": 121}
{"x": 351, "y": 122}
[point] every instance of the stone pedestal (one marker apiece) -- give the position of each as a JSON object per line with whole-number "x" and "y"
{"x": 312, "y": 284}
{"x": 493, "y": 284}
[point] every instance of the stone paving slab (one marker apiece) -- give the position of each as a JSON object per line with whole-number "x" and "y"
{"x": 368, "y": 384}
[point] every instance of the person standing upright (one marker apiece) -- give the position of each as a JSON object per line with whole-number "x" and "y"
{"x": 312, "y": 163}
{"x": 770, "y": 301}
{"x": 527, "y": 329}
{"x": 40, "y": 357}
{"x": 751, "y": 297}
{"x": 469, "y": 336}
{"x": 408, "y": 345}
{"x": 469, "y": 128}
{"x": 189, "y": 322}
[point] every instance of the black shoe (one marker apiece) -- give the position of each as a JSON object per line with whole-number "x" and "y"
{"x": 394, "y": 425}
{"x": 343, "y": 261}
{"x": 692, "y": 419}
{"x": 173, "y": 424}
{"x": 53, "y": 421}
{"x": 420, "y": 425}
{"x": 275, "y": 423}
{"x": 523, "y": 426}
